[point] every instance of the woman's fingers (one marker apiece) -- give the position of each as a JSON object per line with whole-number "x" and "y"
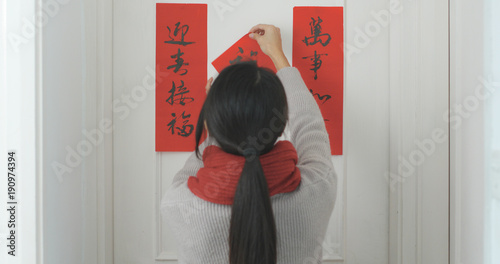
{"x": 261, "y": 27}
{"x": 254, "y": 35}
{"x": 268, "y": 37}
{"x": 209, "y": 84}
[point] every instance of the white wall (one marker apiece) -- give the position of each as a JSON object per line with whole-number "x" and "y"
{"x": 366, "y": 132}
{"x": 75, "y": 200}
{"x": 419, "y": 134}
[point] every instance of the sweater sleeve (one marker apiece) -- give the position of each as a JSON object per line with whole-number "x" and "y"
{"x": 306, "y": 127}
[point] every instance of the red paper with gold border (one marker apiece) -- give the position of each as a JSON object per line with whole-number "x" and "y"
{"x": 244, "y": 49}
{"x": 318, "y": 55}
{"x": 181, "y": 73}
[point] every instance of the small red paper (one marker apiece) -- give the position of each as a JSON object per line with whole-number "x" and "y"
{"x": 244, "y": 49}
{"x": 181, "y": 73}
{"x": 318, "y": 55}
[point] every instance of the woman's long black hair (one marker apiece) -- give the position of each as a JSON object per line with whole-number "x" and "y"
{"x": 245, "y": 112}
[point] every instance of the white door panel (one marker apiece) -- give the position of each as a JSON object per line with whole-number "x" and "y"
{"x": 359, "y": 228}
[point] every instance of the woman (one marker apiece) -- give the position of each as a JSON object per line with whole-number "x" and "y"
{"x": 252, "y": 199}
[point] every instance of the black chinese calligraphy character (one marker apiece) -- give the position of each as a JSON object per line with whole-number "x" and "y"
{"x": 183, "y": 30}
{"x": 239, "y": 57}
{"x": 316, "y": 63}
{"x": 316, "y": 35}
{"x": 183, "y": 131}
{"x": 321, "y": 98}
{"x": 179, "y": 62}
{"x": 177, "y": 94}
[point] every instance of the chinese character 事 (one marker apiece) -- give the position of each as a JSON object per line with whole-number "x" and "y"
{"x": 316, "y": 62}
{"x": 316, "y": 36}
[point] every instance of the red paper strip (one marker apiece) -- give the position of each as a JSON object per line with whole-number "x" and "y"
{"x": 181, "y": 73}
{"x": 318, "y": 55}
{"x": 243, "y": 50}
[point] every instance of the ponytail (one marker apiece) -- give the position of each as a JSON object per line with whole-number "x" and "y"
{"x": 252, "y": 234}
{"x": 243, "y": 102}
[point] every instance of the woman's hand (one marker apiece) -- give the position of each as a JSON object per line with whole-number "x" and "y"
{"x": 209, "y": 84}
{"x": 269, "y": 39}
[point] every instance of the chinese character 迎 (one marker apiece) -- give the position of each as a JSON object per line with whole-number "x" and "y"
{"x": 183, "y": 29}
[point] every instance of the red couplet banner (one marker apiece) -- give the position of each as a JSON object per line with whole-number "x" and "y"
{"x": 181, "y": 73}
{"x": 245, "y": 49}
{"x": 318, "y": 54}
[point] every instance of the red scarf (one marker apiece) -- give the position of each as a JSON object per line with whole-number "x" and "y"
{"x": 216, "y": 182}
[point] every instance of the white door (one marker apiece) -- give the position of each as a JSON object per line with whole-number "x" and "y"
{"x": 359, "y": 228}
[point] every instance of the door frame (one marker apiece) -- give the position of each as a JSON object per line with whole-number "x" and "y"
{"x": 104, "y": 104}
{"x": 406, "y": 32}
{"x": 419, "y": 95}
{"x": 99, "y": 31}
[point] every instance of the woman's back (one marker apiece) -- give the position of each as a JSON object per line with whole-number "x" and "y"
{"x": 301, "y": 216}
{"x": 224, "y": 213}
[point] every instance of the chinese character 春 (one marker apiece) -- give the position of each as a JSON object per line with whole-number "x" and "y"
{"x": 179, "y": 62}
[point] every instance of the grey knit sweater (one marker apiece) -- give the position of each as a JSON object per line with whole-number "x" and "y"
{"x": 201, "y": 228}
